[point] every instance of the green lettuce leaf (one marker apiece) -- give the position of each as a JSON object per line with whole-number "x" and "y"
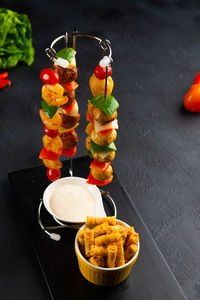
{"x": 67, "y": 54}
{"x": 15, "y": 39}
{"x": 108, "y": 106}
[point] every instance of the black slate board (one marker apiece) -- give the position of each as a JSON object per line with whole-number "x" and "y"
{"x": 150, "y": 278}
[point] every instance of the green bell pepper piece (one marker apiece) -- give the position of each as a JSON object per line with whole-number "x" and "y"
{"x": 67, "y": 54}
{"x": 98, "y": 148}
{"x": 108, "y": 106}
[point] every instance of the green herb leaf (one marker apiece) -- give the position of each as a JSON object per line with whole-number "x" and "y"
{"x": 15, "y": 39}
{"x": 48, "y": 109}
{"x": 67, "y": 54}
{"x": 88, "y": 152}
{"x": 98, "y": 148}
{"x": 108, "y": 106}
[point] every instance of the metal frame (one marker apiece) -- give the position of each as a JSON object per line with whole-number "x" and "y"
{"x": 105, "y": 46}
{"x": 55, "y": 236}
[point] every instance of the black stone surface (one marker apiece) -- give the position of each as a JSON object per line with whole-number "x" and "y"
{"x": 58, "y": 259}
{"x": 156, "y": 56}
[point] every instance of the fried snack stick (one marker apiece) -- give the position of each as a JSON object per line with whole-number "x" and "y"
{"x": 108, "y": 239}
{"x": 130, "y": 252}
{"x": 81, "y": 240}
{"x": 120, "y": 261}
{"x": 112, "y": 255}
{"x": 98, "y": 220}
{"x": 98, "y": 261}
{"x": 121, "y": 229}
{"x": 101, "y": 229}
{"x": 88, "y": 240}
{"x": 98, "y": 251}
{"x": 133, "y": 239}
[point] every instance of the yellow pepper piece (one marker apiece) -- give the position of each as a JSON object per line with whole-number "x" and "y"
{"x": 53, "y": 123}
{"x": 53, "y": 94}
{"x": 97, "y": 86}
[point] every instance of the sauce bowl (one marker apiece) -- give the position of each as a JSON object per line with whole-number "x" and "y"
{"x": 92, "y": 189}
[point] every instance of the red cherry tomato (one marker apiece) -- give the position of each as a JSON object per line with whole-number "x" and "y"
{"x": 92, "y": 180}
{"x": 53, "y": 174}
{"x": 197, "y": 79}
{"x": 50, "y": 132}
{"x": 192, "y": 98}
{"x": 49, "y": 76}
{"x": 100, "y": 72}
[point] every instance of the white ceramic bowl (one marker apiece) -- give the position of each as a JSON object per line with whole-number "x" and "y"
{"x": 93, "y": 189}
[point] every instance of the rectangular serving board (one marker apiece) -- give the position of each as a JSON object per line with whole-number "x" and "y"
{"x": 150, "y": 278}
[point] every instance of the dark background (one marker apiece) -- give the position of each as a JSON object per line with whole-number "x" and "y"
{"x": 156, "y": 52}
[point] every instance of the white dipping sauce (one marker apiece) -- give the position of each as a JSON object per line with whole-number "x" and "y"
{"x": 72, "y": 203}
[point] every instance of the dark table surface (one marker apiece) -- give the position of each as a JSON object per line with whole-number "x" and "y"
{"x": 156, "y": 55}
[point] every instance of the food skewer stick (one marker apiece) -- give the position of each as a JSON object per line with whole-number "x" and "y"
{"x": 106, "y": 82}
{"x": 74, "y": 47}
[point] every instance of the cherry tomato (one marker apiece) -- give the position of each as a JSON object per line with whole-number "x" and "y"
{"x": 53, "y": 174}
{"x": 192, "y": 98}
{"x": 45, "y": 154}
{"x": 70, "y": 86}
{"x": 49, "y": 76}
{"x": 100, "y": 72}
{"x": 92, "y": 180}
{"x": 50, "y": 132}
{"x": 102, "y": 166}
{"x": 197, "y": 79}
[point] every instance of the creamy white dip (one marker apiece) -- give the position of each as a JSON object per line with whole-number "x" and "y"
{"x": 72, "y": 203}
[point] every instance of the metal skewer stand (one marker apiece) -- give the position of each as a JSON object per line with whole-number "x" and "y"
{"x": 105, "y": 46}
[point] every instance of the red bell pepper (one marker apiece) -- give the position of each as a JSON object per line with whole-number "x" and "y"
{"x": 92, "y": 180}
{"x": 69, "y": 152}
{"x": 70, "y": 86}
{"x": 3, "y": 75}
{"x": 45, "y": 154}
{"x": 107, "y": 131}
{"x": 68, "y": 109}
{"x": 3, "y": 81}
{"x": 102, "y": 166}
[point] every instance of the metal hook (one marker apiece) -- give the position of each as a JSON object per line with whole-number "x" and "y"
{"x": 51, "y": 53}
